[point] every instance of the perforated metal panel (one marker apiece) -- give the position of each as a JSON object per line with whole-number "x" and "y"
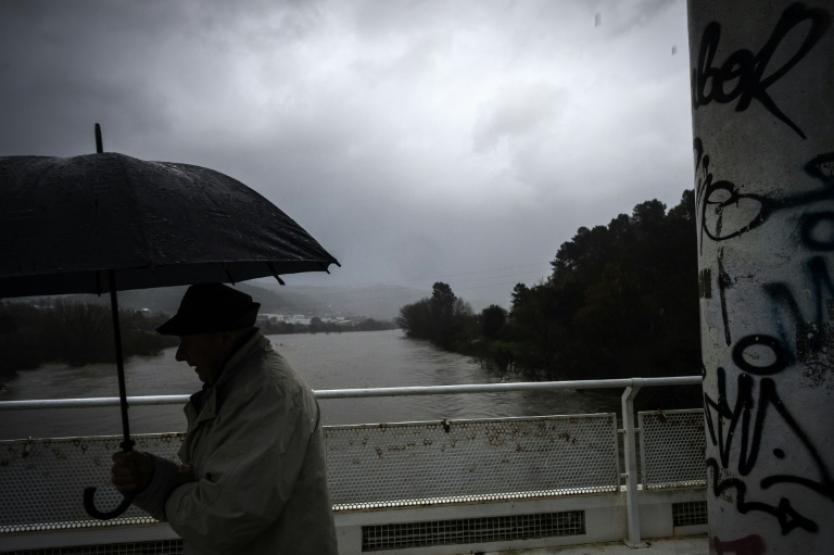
{"x": 43, "y": 480}
{"x": 469, "y": 460}
{"x": 672, "y": 448}
{"x": 163, "y": 547}
{"x": 368, "y": 466}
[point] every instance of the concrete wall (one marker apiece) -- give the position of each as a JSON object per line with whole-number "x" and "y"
{"x": 763, "y": 115}
{"x": 605, "y": 521}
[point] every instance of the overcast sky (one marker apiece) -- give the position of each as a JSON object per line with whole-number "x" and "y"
{"x": 461, "y": 141}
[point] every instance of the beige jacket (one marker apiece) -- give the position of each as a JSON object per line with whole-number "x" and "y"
{"x": 256, "y": 449}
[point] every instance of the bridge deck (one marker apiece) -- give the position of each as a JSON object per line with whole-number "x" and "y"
{"x": 671, "y": 546}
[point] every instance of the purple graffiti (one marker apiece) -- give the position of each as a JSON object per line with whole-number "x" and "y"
{"x": 748, "y": 545}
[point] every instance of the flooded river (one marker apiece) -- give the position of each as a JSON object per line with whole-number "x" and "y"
{"x": 326, "y": 361}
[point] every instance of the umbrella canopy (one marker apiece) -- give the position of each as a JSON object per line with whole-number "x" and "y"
{"x": 65, "y": 222}
{"x": 106, "y": 222}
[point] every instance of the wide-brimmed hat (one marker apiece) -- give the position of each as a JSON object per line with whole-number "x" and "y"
{"x": 211, "y": 308}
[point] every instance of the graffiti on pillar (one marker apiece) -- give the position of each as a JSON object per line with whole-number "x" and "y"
{"x": 723, "y": 199}
{"x": 762, "y": 459}
{"x": 725, "y": 282}
{"x": 811, "y": 343}
{"x": 783, "y": 475}
{"x": 741, "y": 426}
{"x": 748, "y": 545}
{"x": 738, "y": 424}
{"x": 750, "y": 75}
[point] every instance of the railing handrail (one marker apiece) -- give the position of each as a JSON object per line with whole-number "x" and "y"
{"x": 356, "y": 393}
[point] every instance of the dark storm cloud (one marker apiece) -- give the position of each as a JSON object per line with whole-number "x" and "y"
{"x": 414, "y": 139}
{"x": 68, "y": 64}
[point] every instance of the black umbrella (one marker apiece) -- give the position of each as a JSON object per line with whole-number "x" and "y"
{"x": 107, "y": 222}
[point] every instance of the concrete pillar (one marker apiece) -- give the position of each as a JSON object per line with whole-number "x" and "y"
{"x": 763, "y": 120}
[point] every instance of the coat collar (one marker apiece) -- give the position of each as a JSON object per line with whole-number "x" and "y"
{"x": 203, "y": 405}
{"x": 242, "y": 352}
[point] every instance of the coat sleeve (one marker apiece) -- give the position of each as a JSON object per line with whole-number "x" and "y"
{"x": 164, "y": 481}
{"x": 249, "y": 477}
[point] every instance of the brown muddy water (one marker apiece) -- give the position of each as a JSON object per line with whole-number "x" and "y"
{"x": 326, "y": 361}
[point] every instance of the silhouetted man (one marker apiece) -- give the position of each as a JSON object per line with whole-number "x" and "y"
{"x": 252, "y": 478}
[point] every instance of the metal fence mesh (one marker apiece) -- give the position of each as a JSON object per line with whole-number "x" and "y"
{"x": 467, "y": 460}
{"x": 43, "y": 480}
{"x": 368, "y": 466}
{"x": 672, "y": 448}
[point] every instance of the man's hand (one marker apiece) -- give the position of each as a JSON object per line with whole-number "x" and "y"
{"x": 132, "y": 471}
{"x": 185, "y": 474}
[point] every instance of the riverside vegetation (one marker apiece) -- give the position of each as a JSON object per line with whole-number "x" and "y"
{"x": 621, "y": 301}
{"x": 72, "y": 333}
{"x": 78, "y": 333}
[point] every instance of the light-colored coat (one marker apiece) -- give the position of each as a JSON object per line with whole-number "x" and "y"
{"x": 255, "y": 447}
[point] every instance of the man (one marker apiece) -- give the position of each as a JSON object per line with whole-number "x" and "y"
{"x": 253, "y": 474}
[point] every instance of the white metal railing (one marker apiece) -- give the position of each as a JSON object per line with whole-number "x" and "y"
{"x": 631, "y": 387}
{"x": 143, "y": 400}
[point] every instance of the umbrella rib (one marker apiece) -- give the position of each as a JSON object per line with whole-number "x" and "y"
{"x": 129, "y": 184}
{"x": 291, "y": 224}
{"x": 275, "y": 273}
{"x": 229, "y": 274}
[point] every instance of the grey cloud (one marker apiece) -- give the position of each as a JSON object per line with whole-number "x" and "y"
{"x": 520, "y": 112}
{"x": 360, "y": 120}
{"x": 617, "y": 18}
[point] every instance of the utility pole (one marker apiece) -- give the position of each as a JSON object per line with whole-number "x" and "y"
{"x": 762, "y": 75}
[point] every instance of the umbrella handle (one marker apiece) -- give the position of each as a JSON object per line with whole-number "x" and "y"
{"x": 90, "y": 505}
{"x": 90, "y": 494}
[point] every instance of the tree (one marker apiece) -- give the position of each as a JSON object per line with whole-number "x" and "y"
{"x": 492, "y": 321}
{"x": 415, "y": 319}
{"x": 316, "y": 324}
{"x": 443, "y": 319}
{"x": 622, "y": 299}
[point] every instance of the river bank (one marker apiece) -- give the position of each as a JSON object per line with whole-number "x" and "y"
{"x": 74, "y": 334}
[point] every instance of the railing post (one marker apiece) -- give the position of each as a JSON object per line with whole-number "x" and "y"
{"x": 630, "y": 456}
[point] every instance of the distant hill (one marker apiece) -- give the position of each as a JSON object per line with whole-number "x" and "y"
{"x": 381, "y": 302}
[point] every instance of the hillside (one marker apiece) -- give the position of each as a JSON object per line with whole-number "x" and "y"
{"x": 381, "y": 302}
